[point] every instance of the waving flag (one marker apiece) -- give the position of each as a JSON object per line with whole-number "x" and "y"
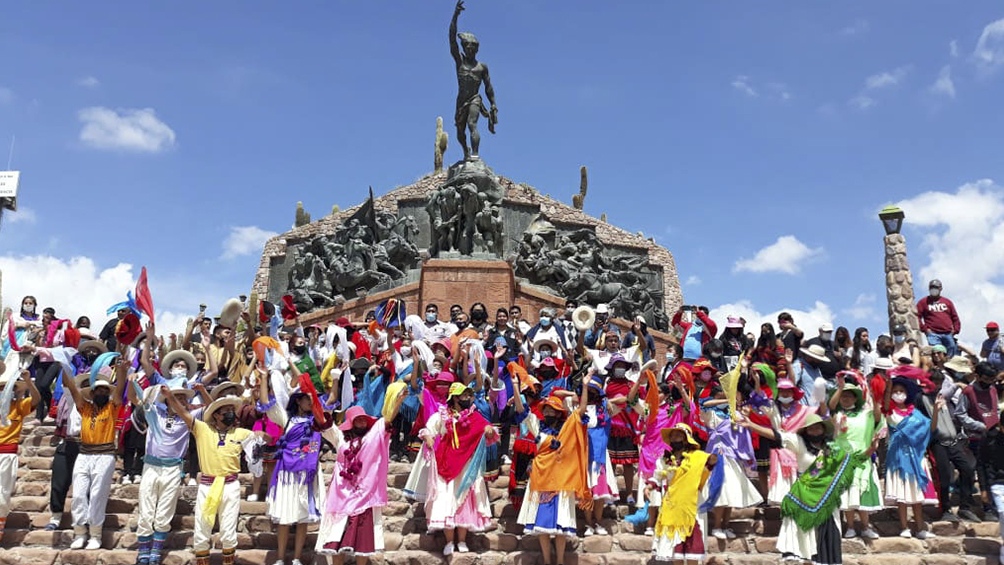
{"x": 730, "y": 385}
{"x": 143, "y": 297}
{"x": 11, "y": 336}
{"x": 391, "y": 313}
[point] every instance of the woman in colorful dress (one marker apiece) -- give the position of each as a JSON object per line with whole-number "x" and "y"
{"x": 907, "y": 477}
{"x": 457, "y": 501}
{"x": 679, "y": 531}
{"x": 353, "y": 521}
{"x": 602, "y": 481}
{"x": 855, "y": 424}
{"x": 558, "y": 476}
{"x": 788, "y": 416}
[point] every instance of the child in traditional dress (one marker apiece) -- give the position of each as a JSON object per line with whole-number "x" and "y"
{"x": 676, "y": 406}
{"x": 602, "y": 481}
{"x": 557, "y": 477}
{"x": 10, "y": 429}
{"x": 679, "y": 534}
{"x": 353, "y": 522}
{"x": 525, "y": 405}
{"x": 788, "y": 416}
{"x": 457, "y": 495}
{"x": 910, "y": 433}
{"x": 855, "y": 424}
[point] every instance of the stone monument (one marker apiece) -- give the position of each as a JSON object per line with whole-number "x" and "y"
{"x": 471, "y": 73}
{"x": 902, "y": 307}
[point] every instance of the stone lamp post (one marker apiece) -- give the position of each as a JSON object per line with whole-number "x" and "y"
{"x": 898, "y": 278}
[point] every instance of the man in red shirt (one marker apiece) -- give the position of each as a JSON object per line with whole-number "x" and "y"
{"x": 938, "y": 319}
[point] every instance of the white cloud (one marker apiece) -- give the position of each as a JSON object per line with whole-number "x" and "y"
{"x": 962, "y": 233}
{"x": 989, "y": 52}
{"x": 79, "y": 287}
{"x": 741, "y": 83}
{"x": 862, "y": 102}
{"x": 886, "y": 79}
{"x": 693, "y": 280}
{"x": 245, "y": 240}
{"x": 808, "y": 320}
{"x": 89, "y": 82}
{"x": 23, "y": 215}
{"x": 786, "y": 255}
{"x": 953, "y": 48}
{"x": 863, "y": 308}
{"x": 944, "y": 85}
{"x": 858, "y": 27}
{"x": 779, "y": 90}
{"x": 138, "y": 130}
{"x": 6, "y": 95}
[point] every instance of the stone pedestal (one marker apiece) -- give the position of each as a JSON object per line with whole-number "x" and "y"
{"x": 899, "y": 287}
{"x": 459, "y": 281}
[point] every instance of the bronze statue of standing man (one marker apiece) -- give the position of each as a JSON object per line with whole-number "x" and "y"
{"x": 470, "y": 74}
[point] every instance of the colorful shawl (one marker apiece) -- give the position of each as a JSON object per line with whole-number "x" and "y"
{"x": 354, "y": 492}
{"x": 732, "y": 441}
{"x": 652, "y": 446}
{"x": 561, "y": 466}
{"x": 678, "y": 513}
{"x": 816, "y": 494}
{"x": 431, "y": 403}
{"x": 599, "y": 436}
{"x": 783, "y": 459}
{"x": 464, "y": 435}
{"x": 371, "y": 395}
{"x": 908, "y": 445}
{"x": 299, "y": 451}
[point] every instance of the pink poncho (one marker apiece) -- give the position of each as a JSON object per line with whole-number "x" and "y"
{"x": 354, "y": 488}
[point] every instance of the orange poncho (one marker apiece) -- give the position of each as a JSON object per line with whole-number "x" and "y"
{"x": 564, "y": 468}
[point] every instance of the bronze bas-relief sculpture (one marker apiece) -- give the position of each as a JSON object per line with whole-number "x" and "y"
{"x": 470, "y": 74}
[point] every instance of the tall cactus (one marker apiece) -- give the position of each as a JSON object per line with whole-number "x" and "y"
{"x": 302, "y": 216}
{"x": 578, "y": 200}
{"x": 442, "y": 142}
{"x": 335, "y": 209}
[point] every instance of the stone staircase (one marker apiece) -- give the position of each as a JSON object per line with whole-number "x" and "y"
{"x": 26, "y": 543}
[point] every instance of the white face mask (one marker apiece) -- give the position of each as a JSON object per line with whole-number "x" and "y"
{"x": 670, "y": 357}
{"x": 786, "y": 400}
{"x": 619, "y": 372}
{"x": 178, "y": 373}
{"x": 29, "y": 309}
{"x": 406, "y": 352}
{"x": 545, "y": 353}
{"x": 899, "y": 397}
{"x": 935, "y": 292}
{"x": 899, "y": 339}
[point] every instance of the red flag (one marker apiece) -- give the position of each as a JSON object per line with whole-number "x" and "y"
{"x": 143, "y": 298}
{"x": 651, "y": 396}
{"x": 307, "y": 386}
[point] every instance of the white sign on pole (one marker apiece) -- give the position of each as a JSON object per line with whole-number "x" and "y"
{"x": 8, "y": 183}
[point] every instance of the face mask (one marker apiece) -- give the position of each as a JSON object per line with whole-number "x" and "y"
{"x": 899, "y": 397}
{"x": 545, "y": 322}
{"x": 619, "y": 372}
{"x": 670, "y": 357}
{"x": 786, "y": 400}
{"x": 826, "y": 336}
{"x": 430, "y": 317}
{"x": 299, "y": 349}
{"x": 716, "y": 354}
{"x": 550, "y": 421}
{"x": 678, "y": 446}
{"x": 229, "y": 419}
{"x": 985, "y": 385}
{"x": 465, "y": 404}
{"x": 935, "y": 292}
{"x": 100, "y": 400}
{"x": 899, "y": 339}
{"x": 178, "y": 373}
{"x": 461, "y": 325}
{"x": 29, "y": 309}
{"x": 545, "y": 353}
{"x": 406, "y": 352}
{"x": 705, "y": 376}
{"x": 815, "y": 440}
{"x": 91, "y": 357}
{"x": 479, "y": 316}
{"x": 548, "y": 375}
{"x": 202, "y": 366}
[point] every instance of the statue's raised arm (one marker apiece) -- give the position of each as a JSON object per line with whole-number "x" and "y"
{"x": 454, "y": 45}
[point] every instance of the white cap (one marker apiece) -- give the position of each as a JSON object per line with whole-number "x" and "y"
{"x": 602, "y": 309}
{"x": 826, "y": 327}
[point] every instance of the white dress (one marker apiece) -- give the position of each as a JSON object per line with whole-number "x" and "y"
{"x": 738, "y": 491}
{"x": 558, "y": 515}
{"x": 790, "y": 539}
{"x": 443, "y": 511}
{"x": 602, "y": 482}
{"x": 905, "y": 490}
{"x": 289, "y": 500}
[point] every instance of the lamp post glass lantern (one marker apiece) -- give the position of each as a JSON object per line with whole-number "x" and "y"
{"x": 892, "y": 219}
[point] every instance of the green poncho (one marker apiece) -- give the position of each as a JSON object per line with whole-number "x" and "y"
{"x": 816, "y": 494}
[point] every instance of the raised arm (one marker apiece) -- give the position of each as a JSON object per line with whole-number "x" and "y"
{"x": 32, "y": 390}
{"x": 71, "y": 387}
{"x": 146, "y": 355}
{"x": 177, "y": 407}
{"x": 121, "y": 376}
{"x": 454, "y": 47}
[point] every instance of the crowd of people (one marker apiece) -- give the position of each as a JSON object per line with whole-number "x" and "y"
{"x": 830, "y": 427}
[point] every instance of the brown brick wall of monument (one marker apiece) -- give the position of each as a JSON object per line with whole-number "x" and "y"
{"x": 515, "y": 192}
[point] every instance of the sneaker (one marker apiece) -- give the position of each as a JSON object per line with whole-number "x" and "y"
{"x": 601, "y": 531}
{"x": 192, "y": 482}
{"x": 649, "y": 532}
{"x": 126, "y": 480}
{"x": 589, "y": 531}
{"x": 969, "y": 516}
{"x": 850, "y": 533}
{"x": 51, "y": 527}
{"x": 630, "y": 501}
{"x": 925, "y": 534}
{"x": 949, "y": 517}
{"x": 506, "y": 460}
{"x": 297, "y": 562}
{"x": 252, "y": 498}
{"x": 78, "y": 542}
{"x": 730, "y": 533}
{"x": 462, "y": 547}
{"x": 906, "y": 533}
{"x": 869, "y": 533}
{"x": 137, "y": 479}
{"x": 279, "y": 562}
{"x": 448, "y": 550}
{"x": 718, "y": 533}
{"x": 93, "y": 543}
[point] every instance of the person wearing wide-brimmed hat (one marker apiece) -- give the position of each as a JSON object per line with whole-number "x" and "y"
{"x": 10, "y": 429}
{"x": 602, "y": 481}
{"x": 220, "y": 444}
{"x": 68, "y": 431}
{"x": 788, "y": 416}
{"x": 907, "y": 480}
{"x": 458, "y": 434}
{"x": 856, "y": 425}
{"x": 167, "y": 439}
{"x": 807, "y": 374}
{"x": 685, "y": 469}
{"x": 352, "y": 517}
{"x": 92, "y": 473}
{"x": 558, "y": 478}
{"x": 810, "y": 521}
{"x": 295, "y": 495}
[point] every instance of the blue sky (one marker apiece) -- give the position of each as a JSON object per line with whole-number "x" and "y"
{"x": 178, "y": 136}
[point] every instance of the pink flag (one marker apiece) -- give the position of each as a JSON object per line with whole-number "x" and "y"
{"x": 11, "y": 338}
{"x": 143, "y": 298}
